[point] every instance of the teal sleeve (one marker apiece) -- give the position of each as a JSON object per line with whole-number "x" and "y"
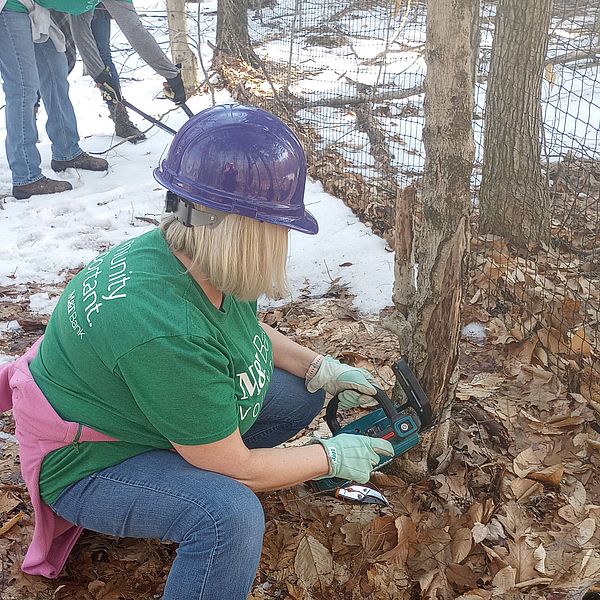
{"x": 14, "y": 6}
{"x": 72, "y": 7}
{"x": 182, "y": 385}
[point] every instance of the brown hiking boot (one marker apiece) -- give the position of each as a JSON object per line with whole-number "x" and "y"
{"x": 124, "y": 128}
{"x": 83, "y": 161}
{"x": 39, "y": 187}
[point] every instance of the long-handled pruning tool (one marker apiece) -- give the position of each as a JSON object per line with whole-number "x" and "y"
{"x": 186, "y": 109}
{"x": 399, "y": 424}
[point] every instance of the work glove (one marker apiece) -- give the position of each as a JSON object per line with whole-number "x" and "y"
{"x": 111, "y": 90}
{"x": 174, "y": 89}
{"x": 354, "y": 456}
{"x": 355, "y": 387}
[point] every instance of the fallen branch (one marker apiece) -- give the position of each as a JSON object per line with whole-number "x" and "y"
{"x": 561, "y": 59}
{"x": 366, "y": 98}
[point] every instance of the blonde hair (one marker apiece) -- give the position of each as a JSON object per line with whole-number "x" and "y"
{"x": 240, "y": 256}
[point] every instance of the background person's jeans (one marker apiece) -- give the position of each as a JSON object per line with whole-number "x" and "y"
{"x": 26, "y": 67}
{"x": 217, "y": 521}
{"x": 101, "y": 31}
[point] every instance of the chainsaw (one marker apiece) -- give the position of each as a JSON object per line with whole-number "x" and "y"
{"x": 400, "y": 424}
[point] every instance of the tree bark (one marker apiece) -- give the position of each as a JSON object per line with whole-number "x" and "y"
{"x": 180, "y": 49}
{"x": 232, "y": 31}
{"x": 515, "y": 199}
{"x": 432, "y": 227}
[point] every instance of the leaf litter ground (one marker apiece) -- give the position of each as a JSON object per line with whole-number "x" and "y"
{"x": 514, "y": 512}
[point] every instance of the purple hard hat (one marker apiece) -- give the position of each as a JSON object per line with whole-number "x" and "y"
{"x": 243, "y": 160}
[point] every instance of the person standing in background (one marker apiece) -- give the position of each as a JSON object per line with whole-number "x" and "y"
{"x": 124, "y": 128}
{"x": 94, "y": 49}
{"x": 25, "y": 68}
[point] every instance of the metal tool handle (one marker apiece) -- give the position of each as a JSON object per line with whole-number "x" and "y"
{"x": 187, "y": 110}
{"x": 381, "y": 397}
{"x": 148, "y": 117}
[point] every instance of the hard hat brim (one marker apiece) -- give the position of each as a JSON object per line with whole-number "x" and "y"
{"x": 306, "y": 223}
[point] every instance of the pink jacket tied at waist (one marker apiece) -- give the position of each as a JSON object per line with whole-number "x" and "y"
{"x": 39, "y": 431}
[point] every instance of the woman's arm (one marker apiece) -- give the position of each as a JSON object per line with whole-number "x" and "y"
{"x": 262, "y": 469}
{"x": 287, "y": 354}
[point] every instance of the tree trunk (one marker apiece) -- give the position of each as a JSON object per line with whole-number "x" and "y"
{"x": 432, "y": 233}
{"x": 233, "y": 38}
{"x": 515, "y": 200}
{"x": 180, "y": 49}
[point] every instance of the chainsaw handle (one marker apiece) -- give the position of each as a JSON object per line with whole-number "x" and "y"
{"x": 381, "y": 397}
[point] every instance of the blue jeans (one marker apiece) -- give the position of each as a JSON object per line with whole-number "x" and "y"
{"x": 26, "y": 67}
{"x": 217, "y": 521}
{"x": 101, "y": 32}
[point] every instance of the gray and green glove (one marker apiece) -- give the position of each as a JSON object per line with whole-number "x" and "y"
{"x": 354, "y": 456}
{"x": 355, "y": 387}
{"x": 109, "y": 86}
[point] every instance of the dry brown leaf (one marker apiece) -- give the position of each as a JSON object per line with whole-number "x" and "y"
{"x": 407, "y": 536}
{"x": 479, "y": 532}
{"x": 516, "y": 521}
{"x": 524, "y": 488}
{"x": 564, "y": 422}
{"x": 580, "y": 343}
{"x": 480, "y": 512}
{"x": 8, "y": 501}
{"x": 585, "y": 531}
{"x": 542, "y": 376}
{"x": 379, "y": 536}
{"x": 521, "y": 557}
{"x": 553, "y": 340}
{"x": 539, "y": 555}
{"x": 461, "y": 545}
{"x": 550, "y": 475}
{"x": 504, "y": 580}
{"x": 313, "y": 562}
{"x": 430, "y": 583}
{"x": 352, "y": 533}
{"x": 590, "y": 565}
{"x": 480, "y": 387}
{"x": 97, "y": 588}
{"x": 526, "y": 462}
{"x": 493, "y": 531}
{"x": 461, "y": 576}
{"x": 578, "y": 497}
{"x": 552, "y": 426}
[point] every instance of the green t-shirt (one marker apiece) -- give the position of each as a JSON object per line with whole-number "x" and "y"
{"x": 74, "y": 7}
{"x": 14, "y": 6}
{"x": 136, "y": 350}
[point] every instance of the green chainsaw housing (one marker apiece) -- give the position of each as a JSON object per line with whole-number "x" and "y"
{"x": 399, "y": 424}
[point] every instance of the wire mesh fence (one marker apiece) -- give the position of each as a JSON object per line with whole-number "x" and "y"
{"x": 545, "y": 296}
{"x": 351, "y": 73}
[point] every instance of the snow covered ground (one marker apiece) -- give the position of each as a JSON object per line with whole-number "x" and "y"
{"x": 41, "y": 239}
{"x": 45, "y": 236}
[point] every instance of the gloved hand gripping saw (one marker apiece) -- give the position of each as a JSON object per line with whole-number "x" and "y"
{"x": 400, "y": 425}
